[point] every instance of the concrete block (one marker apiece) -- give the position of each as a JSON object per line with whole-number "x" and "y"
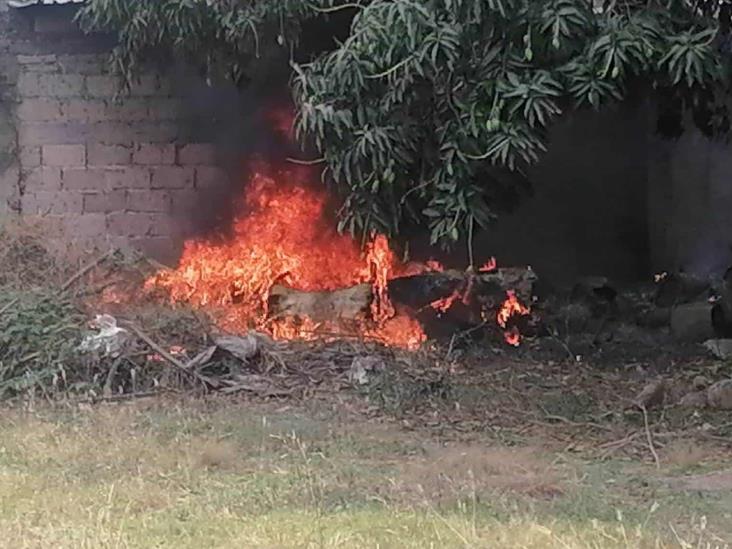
{"x": 63, "y": 155}
{"x": 153, "y": 201}
{"x": 185, "y": 201}
{"x": 164, "y": 249}
{"x": 166, "y": 86}
{"x": 105, "y": 202}
{"x": 34, "y": 84}
{"x": 49, "y": 202}
{"x": 83, "y": 179}
{"x": 38, "y": 110}
{"x": 104, "y": 86}
{"x": 165, "y": 225}
{"x": 197, "y": 154}
{"x": 41, "y": 179}
{"x": 36, "y": 59}
{"x": 154, "y": 154}
{"x": 128, "y": 110}
{"x": 49, "y": 22}
{"x": 37, "y": 64}
{"x": 52, "y": 133}
{"x": 147, "y": 85}
{"x": 108, "y": 155}
{"x": 87, "y": 63}
{"x": 88, "y": 227}
{"x": 172, "y": 177}
{"x": 29, "y": 85}
{"x": 29, "y": 157}
{"x": 61, "y": 85}
{"x": 84, "y": 110}
{"x": 208, "y": 177}
{"x": 128, "y": 178}
{"x": 112, "y": 133}
{"x": 165, "y": 108}
{"x": 129, "y": 224}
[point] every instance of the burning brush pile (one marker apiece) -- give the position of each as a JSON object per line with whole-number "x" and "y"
{"x": 280, "y": 296}
{"x": 285, "y": 272}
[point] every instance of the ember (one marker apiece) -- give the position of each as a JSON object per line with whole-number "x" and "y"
{"x": 510, "y": 308}
{"x": 490, "y": 266}
{"x": 445, "y": 304}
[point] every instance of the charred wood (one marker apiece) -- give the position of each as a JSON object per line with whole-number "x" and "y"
{"x": 477, "y": 292}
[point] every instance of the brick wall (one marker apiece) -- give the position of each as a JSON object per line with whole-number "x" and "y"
{"x": 94, "y": 171}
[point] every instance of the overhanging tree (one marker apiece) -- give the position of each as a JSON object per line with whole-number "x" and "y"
{"x": 424, "y": 105}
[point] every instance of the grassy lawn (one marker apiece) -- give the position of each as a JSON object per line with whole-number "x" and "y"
{"x": 228, "y": 474}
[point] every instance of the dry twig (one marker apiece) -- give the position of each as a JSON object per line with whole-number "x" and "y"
{"x": 9, "y": 305}
{"x": 207, "y": 382}
{"x": 649, "y": 438}
{"x": 71, "y": 281}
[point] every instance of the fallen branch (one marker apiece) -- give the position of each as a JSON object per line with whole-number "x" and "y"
{"x": 566, "y": 421}
{"x": 122, "y": 397}
{"x": 71, "y": 281}
{"x": 9, "y": 305}
{"x": 649, "y": 438}
{"x": 615, "y": 445}
{"x": 107, "y": 391}
{"x": 170, "y": 358}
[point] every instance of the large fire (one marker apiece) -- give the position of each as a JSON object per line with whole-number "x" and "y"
{"x": 281, "y": 238}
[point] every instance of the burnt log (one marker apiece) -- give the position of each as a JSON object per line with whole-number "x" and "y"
{"x": 418, "y": 293}
{"x": 342, "y": 304}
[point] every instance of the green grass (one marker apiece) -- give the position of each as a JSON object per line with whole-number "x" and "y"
{"x": 232, "y": 475}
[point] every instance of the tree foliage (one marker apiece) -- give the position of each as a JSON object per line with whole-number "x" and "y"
{"x": 425, "y": 105}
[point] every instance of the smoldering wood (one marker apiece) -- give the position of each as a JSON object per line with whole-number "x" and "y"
{"x": 486, "y": 288}
{"x": 414, "y": 292}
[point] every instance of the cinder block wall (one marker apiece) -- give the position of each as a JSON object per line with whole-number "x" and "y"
{"x": 93, "y": 171}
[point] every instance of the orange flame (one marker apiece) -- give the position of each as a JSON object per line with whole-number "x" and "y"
{"x": 444, "y": 304}
{"x": 511, "y": 307}
{"x": 490, "y": 266}
{"x": 380, "y": 259}
{"x": 434, "y": 266}
{"x": 281, "y": 238}
{"x": 512, "y": 337}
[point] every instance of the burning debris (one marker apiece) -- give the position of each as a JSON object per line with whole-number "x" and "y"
{"x": 511, "y": 307}
{"x": 284, "y": 271}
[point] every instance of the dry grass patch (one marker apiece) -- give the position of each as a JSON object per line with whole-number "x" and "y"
{"x": 24, "y": 259}
{"x": 460, "y": 471}
{"x": 228, "y": 475}
{"x": 684, "y": 454}
{"x": 215, "y": 455}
